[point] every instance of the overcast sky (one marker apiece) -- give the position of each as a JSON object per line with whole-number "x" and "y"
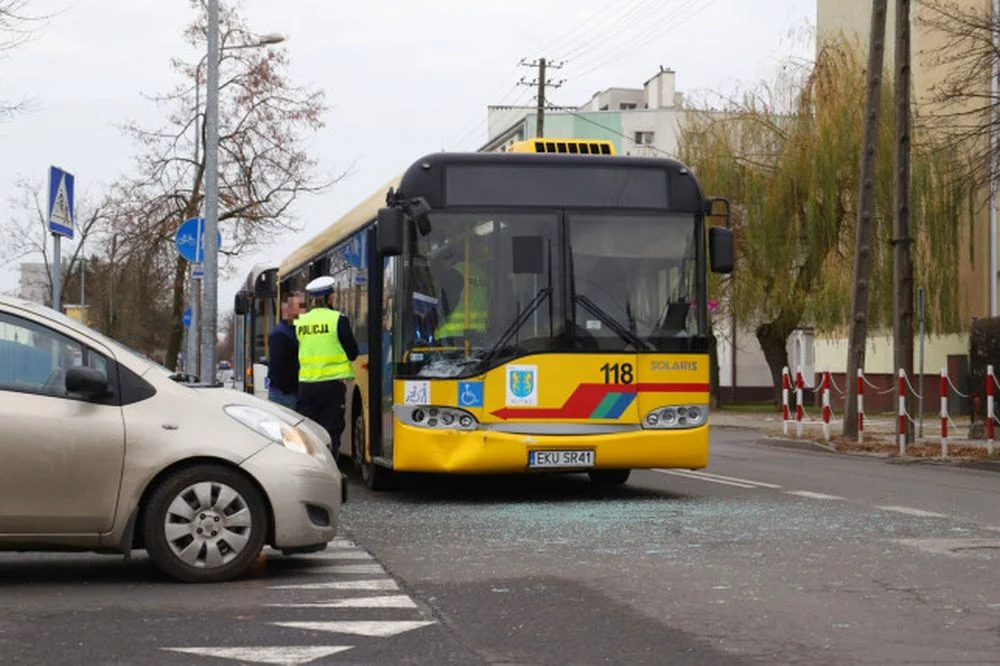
{"x": 402, "y": 78}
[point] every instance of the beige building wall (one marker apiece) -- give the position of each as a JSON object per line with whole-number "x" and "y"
{"x": 852, "y": 19}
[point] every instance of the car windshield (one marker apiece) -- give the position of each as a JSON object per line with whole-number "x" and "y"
{"x": 486, "y": 287}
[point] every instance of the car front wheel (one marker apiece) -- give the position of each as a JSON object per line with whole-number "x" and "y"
{"x": 205, "y": 524}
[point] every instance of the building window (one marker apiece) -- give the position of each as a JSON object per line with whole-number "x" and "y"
{"x": 644, "y": 138}
{"x": 627, "y": 106}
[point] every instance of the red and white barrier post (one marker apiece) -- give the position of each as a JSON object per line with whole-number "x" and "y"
{"x": 800, "y": 410}
{"x": 826, "y": 405}
{"x": 785, "y": 385}
{"x": 901, "y": 411}
{"x": 990, "y": 384}
{"x": 861, "y": 405}
{"x": 944, "y": 413}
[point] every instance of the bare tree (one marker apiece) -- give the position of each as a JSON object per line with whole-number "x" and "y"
{"x": 27, "y": 232}
{"x": 263, "y": 163}
{"x": 17, "y": 25}
{"x": 793, "y": 181}
{"x": 963, "y": 107}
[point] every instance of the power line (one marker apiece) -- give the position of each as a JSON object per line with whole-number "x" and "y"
{"x": 623, "y": 23}
{"x": 649, "y": 33}
{"x": 576, "y": 30}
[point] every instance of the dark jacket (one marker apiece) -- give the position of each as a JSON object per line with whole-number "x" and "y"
{"x": 283, "y": 361}
{"x": 346, "y": 337}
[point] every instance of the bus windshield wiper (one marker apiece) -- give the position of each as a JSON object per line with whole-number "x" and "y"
{"x": 612, "y": 323}
{"x": 516, "y": 325}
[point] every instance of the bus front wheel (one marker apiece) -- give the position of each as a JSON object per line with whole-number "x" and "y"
{"x": 373, "y": 476}
{"x": 609, "y": 477}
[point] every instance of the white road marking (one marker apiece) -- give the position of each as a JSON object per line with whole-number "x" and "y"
{"x": 920, "y": 513}
{"x": 340, "y": 543}
{"x": 339, "y": 555}
{"x": 811, "y": 495}
{"x": 377, "y": 628}
{"x": 686, "y": 474}
{"x": 952, "y": 547}
{"x": 383, "y": 584}
{"x": 282, "y": 656}
{"x": 347, "y": 569}
{"x": 387, "y": 601}
{"x": 709, "y": 476}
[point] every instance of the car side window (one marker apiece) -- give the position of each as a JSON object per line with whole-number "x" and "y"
{"x": 34, "y": 359}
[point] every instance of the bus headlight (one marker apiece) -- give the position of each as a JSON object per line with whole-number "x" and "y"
{"x": 440, "y": 418}
{"x": 676, "y": 417}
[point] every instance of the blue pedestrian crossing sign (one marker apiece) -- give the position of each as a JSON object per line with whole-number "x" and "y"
{"x": 60, "y": 199}
{"x": 186, "y": 318}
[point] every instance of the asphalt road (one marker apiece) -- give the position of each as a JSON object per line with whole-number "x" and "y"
{"x": 770, "y": 556}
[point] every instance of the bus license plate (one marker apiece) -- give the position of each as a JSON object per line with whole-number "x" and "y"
{"x": 560, "y": 459}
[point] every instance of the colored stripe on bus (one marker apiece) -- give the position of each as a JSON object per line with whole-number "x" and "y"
{"x": 587, "y": 399}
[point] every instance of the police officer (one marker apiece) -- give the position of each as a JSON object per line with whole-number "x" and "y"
{"x": 326, "y": 349}
{"x": 471, "y": 285}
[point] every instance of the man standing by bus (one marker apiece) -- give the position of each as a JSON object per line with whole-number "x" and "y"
{"x": 326, "y": 349}
{"x": 283, "y": 356}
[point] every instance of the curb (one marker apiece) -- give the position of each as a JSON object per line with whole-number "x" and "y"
{"x": 800, "y": 444}
{"x": 816, "y": 447}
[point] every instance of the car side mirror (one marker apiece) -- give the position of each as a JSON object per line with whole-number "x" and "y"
{"x": 389, "y": 232}
{"x": 720, "y": 250}
{"x": 87, "y": 382}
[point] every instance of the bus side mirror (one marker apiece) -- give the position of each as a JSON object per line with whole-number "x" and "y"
{"x": 720, "y": 250}
{"x": 240, "y": 306}
{"x": 389, "y": 232}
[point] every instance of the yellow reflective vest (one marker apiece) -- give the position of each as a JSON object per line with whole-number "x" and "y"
{"x": 477, "y": 285}
{"x": 321, "y": 356}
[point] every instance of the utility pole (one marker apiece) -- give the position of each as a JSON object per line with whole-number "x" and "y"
{"x": 994, "y": 96}
{"x": 866, "y": 203}
{"x": 902, "y": 317}
{"x": 541, "y": 83}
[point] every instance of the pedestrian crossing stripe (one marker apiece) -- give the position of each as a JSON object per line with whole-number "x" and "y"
{"x": 372, "y": 628}
{"x": 385, "y": 601}
{"x": 284, "y": 655}
{"x": 379, "y": 584}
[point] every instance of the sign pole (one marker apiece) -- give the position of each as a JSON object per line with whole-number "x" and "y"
{"x": 56, "y": 273}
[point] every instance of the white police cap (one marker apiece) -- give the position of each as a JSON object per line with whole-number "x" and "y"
{"x": 321, "y": 286}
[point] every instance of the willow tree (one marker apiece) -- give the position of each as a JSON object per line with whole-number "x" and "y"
{"x": 786, "y": 156}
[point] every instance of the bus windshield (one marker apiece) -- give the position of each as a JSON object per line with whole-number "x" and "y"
{"x": 487, "y": 287}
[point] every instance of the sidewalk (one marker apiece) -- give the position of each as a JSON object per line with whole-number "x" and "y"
{"x": 879, "y": 437}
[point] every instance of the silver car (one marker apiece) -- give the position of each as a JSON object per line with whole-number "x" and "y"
{"x": 104, "y": 450}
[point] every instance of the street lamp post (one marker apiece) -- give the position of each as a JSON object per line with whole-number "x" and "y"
{"x": 191, "y": 345}
{"x": 210, "y": 281}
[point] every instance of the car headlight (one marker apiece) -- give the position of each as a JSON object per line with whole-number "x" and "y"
{"x": 676, "y": 417}
{"x": 270, "y": 426}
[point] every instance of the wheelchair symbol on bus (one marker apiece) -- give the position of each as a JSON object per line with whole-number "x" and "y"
{"x": 470, "y": 394}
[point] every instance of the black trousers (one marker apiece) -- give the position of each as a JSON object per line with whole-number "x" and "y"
{"x": 323, "y": 402}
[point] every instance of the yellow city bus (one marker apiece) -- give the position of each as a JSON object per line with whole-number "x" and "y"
{"x": 575, "y": 289}
{"x": 255, "y": 313}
